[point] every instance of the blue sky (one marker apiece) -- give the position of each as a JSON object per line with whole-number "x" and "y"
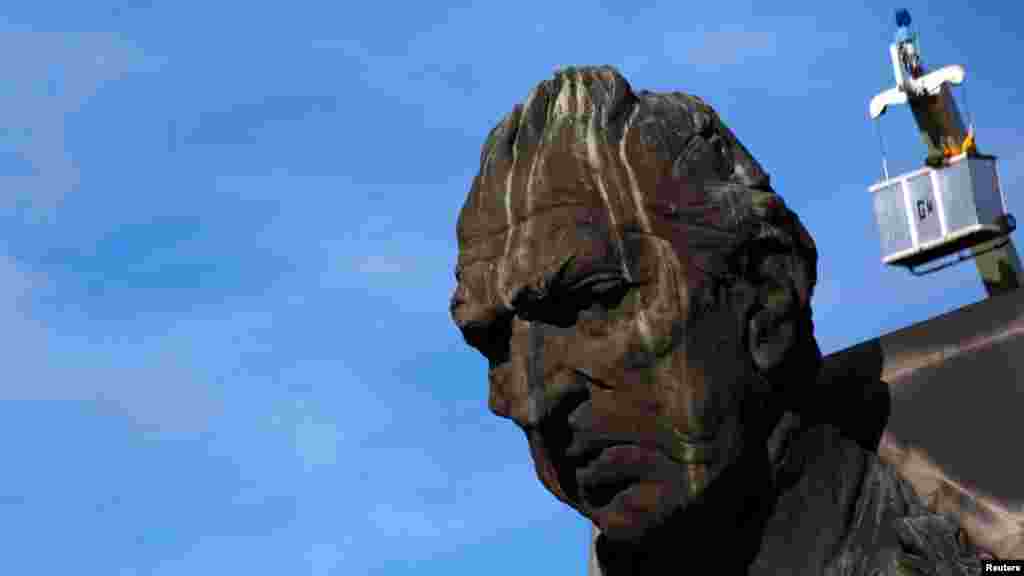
{"x": 227, "y": 240}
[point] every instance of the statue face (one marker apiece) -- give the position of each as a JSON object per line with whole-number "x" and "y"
{"x": 585, "y": 278}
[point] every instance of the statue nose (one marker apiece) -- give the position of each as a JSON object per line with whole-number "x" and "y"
{"x": 484, "y": 326}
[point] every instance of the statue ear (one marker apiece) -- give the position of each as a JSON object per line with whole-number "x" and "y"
{"x": 771, "y": 330}
{"x": 771, "y": 338}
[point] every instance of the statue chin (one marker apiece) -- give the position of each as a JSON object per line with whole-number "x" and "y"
{"x": 636, "y": 511}
{"x": 630, "y": 490}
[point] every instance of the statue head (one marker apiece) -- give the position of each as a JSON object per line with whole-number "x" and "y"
{"x": 640, "y": 293}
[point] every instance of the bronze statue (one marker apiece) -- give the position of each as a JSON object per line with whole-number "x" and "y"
{"x": 642, "y": 296}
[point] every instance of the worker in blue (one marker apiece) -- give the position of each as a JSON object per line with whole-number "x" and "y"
{"x": 938, "y": 119}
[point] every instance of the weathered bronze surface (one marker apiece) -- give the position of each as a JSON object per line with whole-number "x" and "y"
{"x": 642, "y": 296}
{"x": 955, "y": 424}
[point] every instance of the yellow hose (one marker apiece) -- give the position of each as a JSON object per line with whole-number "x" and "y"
{"x": 969, "y": 147}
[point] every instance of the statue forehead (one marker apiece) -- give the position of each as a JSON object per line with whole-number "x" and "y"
{"x": 576, "y": 168}
{"x": 583, "y": 152}
{"x": 625, "y": 191}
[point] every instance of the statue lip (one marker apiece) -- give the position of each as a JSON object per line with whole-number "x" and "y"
{"x": 585, "y": 448}
{"x": 615, "y": 469}
{"x": 595, "y": 465}
{"x": 587, "y": 443}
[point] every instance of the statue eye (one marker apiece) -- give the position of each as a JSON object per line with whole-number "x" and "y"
{"x": 610, "y": 294}
{"x": 563, "y": 305}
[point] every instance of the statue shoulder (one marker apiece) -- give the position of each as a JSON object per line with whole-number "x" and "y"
{"x": 893, "y": 533}
{"x": 934, "y": 544}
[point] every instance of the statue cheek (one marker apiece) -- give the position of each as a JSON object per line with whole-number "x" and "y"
{"x": 509, "y": 387}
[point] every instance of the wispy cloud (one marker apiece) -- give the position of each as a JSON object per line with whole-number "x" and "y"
{"x": 391, "y": 257}
{"x": 153, "y": 383}
{"x": 45, "y": 77}
{"x": 728, "y": 47}
{"x": 385, "y": 265}
{"x": 163, "y": 393}
{"x": 390, "y": 521}
{"x": 23, "y": 338}
{"x": 316, "y": 436}
{"x": 768, "y": 59}
{"x": 242, "y": 121}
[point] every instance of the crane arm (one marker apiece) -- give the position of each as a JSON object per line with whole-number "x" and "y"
{"x": 888, "y": 98}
